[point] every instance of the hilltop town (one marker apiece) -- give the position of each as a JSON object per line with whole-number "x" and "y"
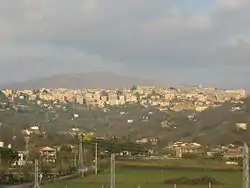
{"x": 168, "y": 113}
{"x": 175, "y": 99}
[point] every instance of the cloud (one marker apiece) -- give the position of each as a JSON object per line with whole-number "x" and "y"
{"x": 60, "y": 53}
{"x": 144, "y": 37}
{"x": 48, "y": 52}
{"x": 177, "y": 25}
{"x": 237, "y": 40}
{"x": 232, "y": 4}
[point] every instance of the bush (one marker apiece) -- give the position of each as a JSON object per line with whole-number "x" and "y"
{"x": 190, "y": 155}
{"x": 205, "y": 180}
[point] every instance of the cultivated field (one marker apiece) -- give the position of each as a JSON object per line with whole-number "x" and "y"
{"x": 141, "y": 174}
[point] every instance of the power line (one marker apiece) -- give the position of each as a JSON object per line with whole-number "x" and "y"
{"x": 114, "y": 145}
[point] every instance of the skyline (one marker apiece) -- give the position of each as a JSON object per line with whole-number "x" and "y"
{"x": 180, "y": 42}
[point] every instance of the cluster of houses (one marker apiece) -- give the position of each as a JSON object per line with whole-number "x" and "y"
{"x": 47, "y": 154}
{"x": 176, "y": 99}
{"x": 180, "y": 149}
{"x": 185, "y": 98}
{"x": 176, "y": 150}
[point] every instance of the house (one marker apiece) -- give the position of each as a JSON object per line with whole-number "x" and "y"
{"x": 34, "y": 129}
{"x": 130, "y": 121}
{"x": 21, "y": 159}
{"x": 48, "y": 154}
{"x": 181, "y": 148}
{"x": 236, "y": 152}
{"x": 142, "y": 141}
{"x": 154, "y": 141}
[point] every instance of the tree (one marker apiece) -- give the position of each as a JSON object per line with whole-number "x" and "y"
{"x": 46, "y": 167}
{"x": 133, "y": 88}
{"x": 172, "y": 88}
{"x": 137, "y": 94}
{"x": 104, "y": 93}
{"x": 33, "y": 153}
{"x": 119, "y": 92}
{"x": 3, "y": 98}
{"x": 65, "y": 156}
{"x": 8, "y": 156}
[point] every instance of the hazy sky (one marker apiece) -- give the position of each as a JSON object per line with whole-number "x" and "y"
{"x": 176, "y": 41}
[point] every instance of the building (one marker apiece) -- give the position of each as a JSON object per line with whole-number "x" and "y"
{"x": 180, "y": 149}
{"x": 48, "y": 154}
{"x": 21, "y": 159}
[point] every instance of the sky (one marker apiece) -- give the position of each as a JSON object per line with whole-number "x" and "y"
{"x": 173, "y": 41}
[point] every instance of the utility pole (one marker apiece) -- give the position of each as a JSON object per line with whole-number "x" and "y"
{"x": 44, "y": 135}
{"x": 36, "y": 179}
{"x": 96, "y": 158}
{"x": 80, "y": 165}
{"x": 27, "y": 148}
{"x": 62, "y": 161}
{"x": 112, "y": 171}
{"x": 242, "y": 128}
{"x": 245, "y": 166}
{"x": 0, "y": 157}
{"x": 75, "y": 161}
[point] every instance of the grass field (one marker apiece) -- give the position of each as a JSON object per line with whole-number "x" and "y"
{"x": 192, "y": 163}
{"x": 150, "y": 178}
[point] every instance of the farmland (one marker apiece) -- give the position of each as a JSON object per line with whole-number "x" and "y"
{"x": 202, "y": 164}
{"x": 142, "y": 174}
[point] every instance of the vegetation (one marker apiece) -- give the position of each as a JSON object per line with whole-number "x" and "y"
{"x": 158, "y": 178}
{"x": 8, "y": 157}
{"x": 134, "y": 88}
{"x": 178, "y": 164}
{"x": 204, "y": 180}
{"x": 213, "y": 126}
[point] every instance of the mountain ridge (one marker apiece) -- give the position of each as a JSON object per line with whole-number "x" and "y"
{"x": 80, "y": 80}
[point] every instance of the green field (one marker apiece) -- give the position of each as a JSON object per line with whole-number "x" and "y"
{"x": 192, "y": 163}
{"x": 129, "y": 175}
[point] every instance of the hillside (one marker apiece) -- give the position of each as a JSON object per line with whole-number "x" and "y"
{"x": 81, "y": 80}
{"x": 213, "y": 126}
{"x": 218, "y": 125}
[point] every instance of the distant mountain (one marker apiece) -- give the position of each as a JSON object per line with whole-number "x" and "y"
{"x": 81, "y": 80}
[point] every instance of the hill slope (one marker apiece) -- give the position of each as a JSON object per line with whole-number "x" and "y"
{"x": 213, "y": 126}
{"x": 81, "y": 80}
{"x": 218, "y": 125}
